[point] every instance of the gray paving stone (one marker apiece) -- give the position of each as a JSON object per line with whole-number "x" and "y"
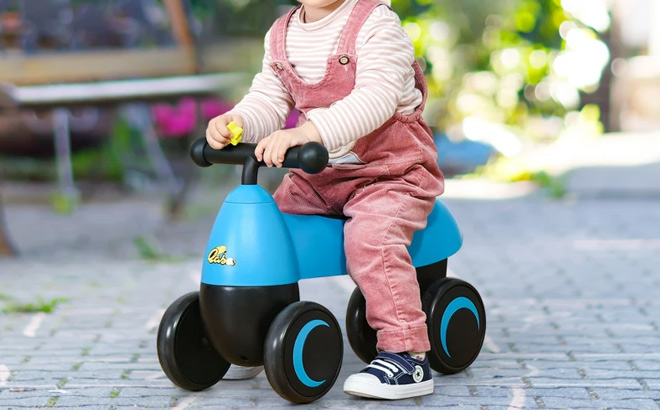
{"x": 571, "y": 290}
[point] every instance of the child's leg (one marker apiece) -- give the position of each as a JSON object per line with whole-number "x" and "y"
{"x": 383, "y": 218}
{"x": 295, "y": 195}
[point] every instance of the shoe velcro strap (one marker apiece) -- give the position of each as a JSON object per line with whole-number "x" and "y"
{"x": 397, "y": 360}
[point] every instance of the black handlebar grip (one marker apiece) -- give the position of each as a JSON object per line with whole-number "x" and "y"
{"x": 311, "y": 157}
{"x": 197, "y": 153}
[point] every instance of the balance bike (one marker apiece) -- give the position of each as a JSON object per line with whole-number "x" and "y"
{"x": 248, "y": 310}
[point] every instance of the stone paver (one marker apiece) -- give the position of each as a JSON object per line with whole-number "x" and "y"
{"x": 572, "y": 290}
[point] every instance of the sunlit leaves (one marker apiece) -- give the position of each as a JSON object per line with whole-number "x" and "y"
{"x": 504, "y": 60}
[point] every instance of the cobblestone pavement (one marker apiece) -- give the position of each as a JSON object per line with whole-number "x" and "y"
{"x": 572, "y": 290}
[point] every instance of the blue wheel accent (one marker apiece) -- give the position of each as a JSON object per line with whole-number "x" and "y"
{"x": 455, "y": 305}
{"x": 298, "y": 348}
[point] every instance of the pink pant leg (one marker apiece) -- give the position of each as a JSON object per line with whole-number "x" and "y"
{"x": 295, "y": 195}
{"x": 383, "y": 218}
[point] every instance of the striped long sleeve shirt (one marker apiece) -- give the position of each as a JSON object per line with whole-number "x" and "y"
{"x": 385, "y": 79}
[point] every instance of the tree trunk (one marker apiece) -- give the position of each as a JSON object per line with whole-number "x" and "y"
{"x": 601, "y": 97}
{"x": 605, "y": 96}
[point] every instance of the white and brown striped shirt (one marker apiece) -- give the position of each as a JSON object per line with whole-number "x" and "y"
{"x": 385, "y": 78}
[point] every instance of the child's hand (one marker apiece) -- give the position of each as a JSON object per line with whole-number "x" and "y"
{"x": 217, "y": 133}
{"x": 272, "y": 148}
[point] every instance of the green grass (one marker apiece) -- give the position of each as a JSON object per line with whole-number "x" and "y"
{"x": 65, "y": 204}
{"x": 41, "y": 305}
{"x": 516, "y": 170}
{"x": 555, "y": 186}
{"x": 149, "y": 249}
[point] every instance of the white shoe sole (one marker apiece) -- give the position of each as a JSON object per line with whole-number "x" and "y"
{"x": 366, "y": 385}
{"x": 241, "y": 373}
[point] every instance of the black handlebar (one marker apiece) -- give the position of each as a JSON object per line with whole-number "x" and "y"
{"x": 311, "y": 158}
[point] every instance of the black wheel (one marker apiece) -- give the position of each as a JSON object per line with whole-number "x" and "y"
{"x": 456, "y": 321}
{"x": 184, "y": 353}
{"x": 361, "y": 336}
{"x": 303, "y": 352}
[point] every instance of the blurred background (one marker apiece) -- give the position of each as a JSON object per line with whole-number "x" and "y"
{"x": 106, "y": 95}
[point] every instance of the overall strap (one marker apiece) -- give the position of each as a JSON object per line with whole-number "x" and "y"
{"x": 278, "y": 36}
{"x": 361, "y": 12}
{"x": 420, "y": 83}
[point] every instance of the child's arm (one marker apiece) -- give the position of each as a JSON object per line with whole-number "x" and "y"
{"x": 261, "y": 112}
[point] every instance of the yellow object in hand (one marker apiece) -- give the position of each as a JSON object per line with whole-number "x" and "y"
{"x": 237, "y": 133}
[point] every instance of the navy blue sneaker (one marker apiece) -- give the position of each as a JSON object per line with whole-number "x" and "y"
{"x": 392, "y": 376}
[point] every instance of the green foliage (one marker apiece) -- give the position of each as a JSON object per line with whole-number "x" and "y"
{"x": 102, "y": 162}
{"x": 494, "y": 60}
{"x": 237, "y": 17}
{"x": 516, "y": 170}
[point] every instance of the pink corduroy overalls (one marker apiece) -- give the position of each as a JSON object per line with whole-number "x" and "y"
{"x": 386, "y": 199}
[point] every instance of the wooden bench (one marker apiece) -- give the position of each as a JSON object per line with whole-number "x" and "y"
{"x": 58, "y": 81}
{"x": 46, "y": 82}
{"x": 60, "y": 97}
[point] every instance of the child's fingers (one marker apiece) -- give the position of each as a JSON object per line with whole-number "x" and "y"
{"x": 279, "y": 152}
{"x": 259, "y": 149}
{"x": 268, "y": 152}
{"x": 215, "y": 139}
{"x": 238, "y": 120}
{"x": 220, "y": 125}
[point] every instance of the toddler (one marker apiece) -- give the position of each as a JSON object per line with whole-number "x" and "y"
{"x": 349, "y": 68}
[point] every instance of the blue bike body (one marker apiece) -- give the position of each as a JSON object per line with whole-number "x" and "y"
{"x": 253, "y": 244}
